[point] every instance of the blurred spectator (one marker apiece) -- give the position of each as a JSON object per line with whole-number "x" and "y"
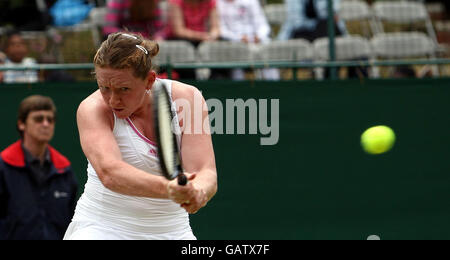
{"x": 245, "y": 21}
{"x": 26, "y": 15}
{"x": 138, "y": 16}
{"x": 16, "y": 52}
{"x": 37, "y": 185}
{"x": 70, "y": 12}
{"x": 193, "y": 20}
{"x": 307, "y": 19}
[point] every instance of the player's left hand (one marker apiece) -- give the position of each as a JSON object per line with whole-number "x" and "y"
{"x": 190, "y": 196}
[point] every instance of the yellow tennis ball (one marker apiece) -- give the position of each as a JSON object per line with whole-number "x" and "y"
{"x": 378, "y": 139}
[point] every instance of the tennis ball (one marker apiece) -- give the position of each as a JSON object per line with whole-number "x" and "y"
{"x": 378, "y": 139}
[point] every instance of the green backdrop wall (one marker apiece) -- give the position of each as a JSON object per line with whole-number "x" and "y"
{"x": 316, "y": 182}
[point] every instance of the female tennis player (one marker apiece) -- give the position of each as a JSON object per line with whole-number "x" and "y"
{"x": 125, "y": 196}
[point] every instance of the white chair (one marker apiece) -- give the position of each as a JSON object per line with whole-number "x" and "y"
{"x": 400, "y": 11}
{"x": 404, "y": 45}
{"x": 175, "y": 52}
{"x": 224, "y": 51}
{"x": 356, "y": 11}
{"x": 347, "y": 48}
{"x": 280, "y": 51}
{"x": 97, "y": 16}
{"x": 403, "y": 12}
{"x": 290, "y": 50}
{"x": 275, "y": 13}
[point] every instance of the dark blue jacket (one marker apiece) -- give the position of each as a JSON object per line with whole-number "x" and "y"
{"x": 29, "y": 210}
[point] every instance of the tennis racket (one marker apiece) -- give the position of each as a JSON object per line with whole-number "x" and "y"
{"x": 168, "y": 151}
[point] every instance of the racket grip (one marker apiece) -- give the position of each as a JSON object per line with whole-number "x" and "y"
{"x": 182, "y": 179}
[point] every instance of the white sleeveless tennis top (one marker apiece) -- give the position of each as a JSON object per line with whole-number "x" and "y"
{"x": 125, "y": 213}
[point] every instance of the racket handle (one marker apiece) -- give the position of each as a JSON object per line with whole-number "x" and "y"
{"x": 182, "y": 179}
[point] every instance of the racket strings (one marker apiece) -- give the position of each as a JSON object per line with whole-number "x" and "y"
{"x": 167, "y": 142}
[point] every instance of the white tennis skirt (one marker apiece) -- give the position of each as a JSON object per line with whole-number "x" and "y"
{"x": 87, "y": 230}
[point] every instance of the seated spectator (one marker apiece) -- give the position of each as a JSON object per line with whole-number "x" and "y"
{"x": 16, "y": 52}
{"x": 307, "y": 19}
{"x": 193, "y": 20}
{"x": 245, "y": 21}
{"x": 137, "y": 16}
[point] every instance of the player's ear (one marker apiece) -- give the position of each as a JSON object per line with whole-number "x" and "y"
{"x": 151, "y": 77}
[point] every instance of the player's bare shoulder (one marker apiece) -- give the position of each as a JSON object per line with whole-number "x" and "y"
{"x": 91, "y": 103}
{"x": 94, "y": 108}
{"x": 184, "y": 91}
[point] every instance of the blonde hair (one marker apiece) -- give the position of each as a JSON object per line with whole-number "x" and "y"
{"x": 127, "y": 51}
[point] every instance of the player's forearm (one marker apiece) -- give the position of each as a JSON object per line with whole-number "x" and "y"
{"x": 191, "y": 35}
{"x": 123, "y": 178}
{"x": 207, "y": 181}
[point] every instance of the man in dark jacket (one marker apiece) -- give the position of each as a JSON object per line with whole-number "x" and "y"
{"x": 37, "y": 186}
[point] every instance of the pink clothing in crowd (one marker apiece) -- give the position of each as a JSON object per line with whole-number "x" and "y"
{"x": 118, "y": 19}
{"x": 195, "y": 16}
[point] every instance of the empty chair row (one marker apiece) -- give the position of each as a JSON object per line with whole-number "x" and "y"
{"x": 400, "y": 45}
{"x": 378, "y": 16}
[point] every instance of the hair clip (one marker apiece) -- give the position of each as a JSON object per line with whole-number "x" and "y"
{"x": 129, "y": 36}
{"x": 142, "y": 49}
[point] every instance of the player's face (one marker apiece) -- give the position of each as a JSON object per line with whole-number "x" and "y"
{"x": 122, "y": 91}
{"x": 39, "y": 126}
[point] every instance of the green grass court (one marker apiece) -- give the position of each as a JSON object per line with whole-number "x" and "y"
{"x": 317, "y": 182}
